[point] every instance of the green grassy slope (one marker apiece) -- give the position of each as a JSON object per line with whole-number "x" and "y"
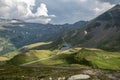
{"x": 10, "y": 55}
{"x": 77, "y": 57}
{"x": 29, "y": 56}
{"x": 86, "y": 58}
{"x": 3, "y": 58}
{"x": 98, "y": 59}
{"x": 9, "y": 51}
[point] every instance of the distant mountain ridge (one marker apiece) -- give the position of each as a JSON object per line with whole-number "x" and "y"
{"x": 15, "y": 33}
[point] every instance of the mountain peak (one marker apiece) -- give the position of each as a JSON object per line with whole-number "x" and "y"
{"x": 116, "y": 6}
{"x": 112, "y": 14}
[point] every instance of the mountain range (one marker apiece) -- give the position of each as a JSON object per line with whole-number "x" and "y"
{"x": 15, "y": 34}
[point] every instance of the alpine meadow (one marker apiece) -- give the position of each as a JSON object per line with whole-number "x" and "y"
{"x": 60, "y": 40}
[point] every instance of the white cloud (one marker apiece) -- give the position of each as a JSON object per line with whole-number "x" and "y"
{"x": 22, "y": 9}
{"x": 102, "y": 8}
{"x": 42, "y": 10}
{"x": 83, "y": 0}
{"x": 95, "y": 6}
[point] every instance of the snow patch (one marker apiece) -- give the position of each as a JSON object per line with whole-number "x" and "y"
{"x": 85, "y": 32}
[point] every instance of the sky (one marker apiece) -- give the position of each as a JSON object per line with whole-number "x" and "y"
{"x": 54, "y": 11}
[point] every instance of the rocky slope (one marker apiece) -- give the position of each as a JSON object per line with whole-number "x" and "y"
{"x": 102, "y": 32}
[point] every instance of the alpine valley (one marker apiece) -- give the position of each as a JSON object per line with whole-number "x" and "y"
{"x": 33, "y": 51}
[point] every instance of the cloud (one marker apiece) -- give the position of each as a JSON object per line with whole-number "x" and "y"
{"x": 42, "y": 10}
{"x": 70, "y": 11}
{"x": 100, "y": 9}
{"x": 22, "y": 9}
{"x": 65, "y": 11}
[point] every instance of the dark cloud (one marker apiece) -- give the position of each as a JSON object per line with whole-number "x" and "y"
{"x": 111, "y": 1}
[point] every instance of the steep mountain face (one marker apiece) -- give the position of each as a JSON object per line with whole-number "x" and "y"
{"x": 101, "y": 32}
{"x": 15, "y": 33}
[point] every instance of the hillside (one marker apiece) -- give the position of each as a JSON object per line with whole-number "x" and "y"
{"x": 30, "y": 56}
{"x": 15, "y": 34}
{"x": 102, "y": 32}
{"x": 3, "y": 58}
{"x": 75, "y": 57}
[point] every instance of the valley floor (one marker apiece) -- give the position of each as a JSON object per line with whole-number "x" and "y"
{"x": 10, "y": 72}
